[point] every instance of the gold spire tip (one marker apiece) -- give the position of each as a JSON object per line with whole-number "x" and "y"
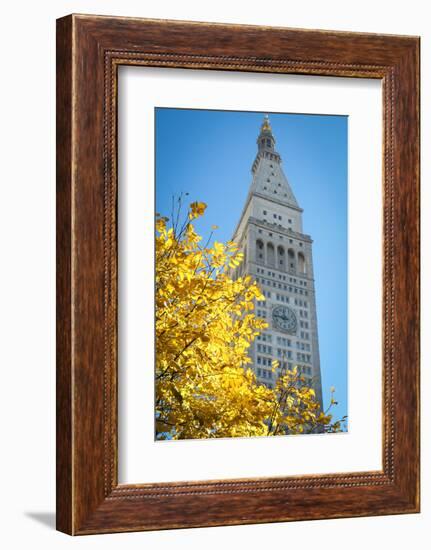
{"x": 266, "y": 124}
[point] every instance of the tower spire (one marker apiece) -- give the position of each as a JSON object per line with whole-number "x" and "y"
{"x": 265, "y": 139}
{"x": 269, "y": 179}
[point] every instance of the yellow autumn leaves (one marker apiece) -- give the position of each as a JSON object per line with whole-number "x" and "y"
{"x": 197, "y": 209}
{"x": 205, "y": 324}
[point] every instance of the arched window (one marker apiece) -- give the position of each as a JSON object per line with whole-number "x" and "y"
{"x": 270, "y": 255}
{"x": 291, "y": 260}
{"x": 301, "y": 263}
{"x": 268, "y": 142}
{"x": 281, "y": 258}
{"x": 259, "y": 251}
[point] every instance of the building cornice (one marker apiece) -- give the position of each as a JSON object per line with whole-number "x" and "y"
{"x": 289, "y": 233}
{"x": 270, "y": 199}
{"x": 277, "y": 201}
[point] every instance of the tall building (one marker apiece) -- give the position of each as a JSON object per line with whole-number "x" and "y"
{"x": 279, "y": 256}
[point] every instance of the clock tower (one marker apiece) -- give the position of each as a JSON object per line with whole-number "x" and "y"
{"x": 278, "y": 255}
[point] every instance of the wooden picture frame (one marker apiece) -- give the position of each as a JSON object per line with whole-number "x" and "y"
{"x": 89, "y": 52}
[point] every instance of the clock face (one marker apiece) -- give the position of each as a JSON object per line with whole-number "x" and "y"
{"x": 284, "y": 319}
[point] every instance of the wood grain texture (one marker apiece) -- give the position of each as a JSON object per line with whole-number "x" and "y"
{"x": 90, "y": 49}
{"x": 64, "y": 497}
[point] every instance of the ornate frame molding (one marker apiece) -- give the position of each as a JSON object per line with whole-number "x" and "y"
{"x": 89, "y": 498}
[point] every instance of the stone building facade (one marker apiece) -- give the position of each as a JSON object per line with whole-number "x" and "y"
{"x": 279, "y": 256}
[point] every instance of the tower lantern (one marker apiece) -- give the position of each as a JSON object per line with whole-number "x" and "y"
{"x": 266, "y": 139}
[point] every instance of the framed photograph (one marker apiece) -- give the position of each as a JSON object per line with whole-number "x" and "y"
{"x": 237, "y": 274}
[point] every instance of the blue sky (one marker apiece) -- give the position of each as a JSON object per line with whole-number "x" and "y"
{"x": 209, "y": 154}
